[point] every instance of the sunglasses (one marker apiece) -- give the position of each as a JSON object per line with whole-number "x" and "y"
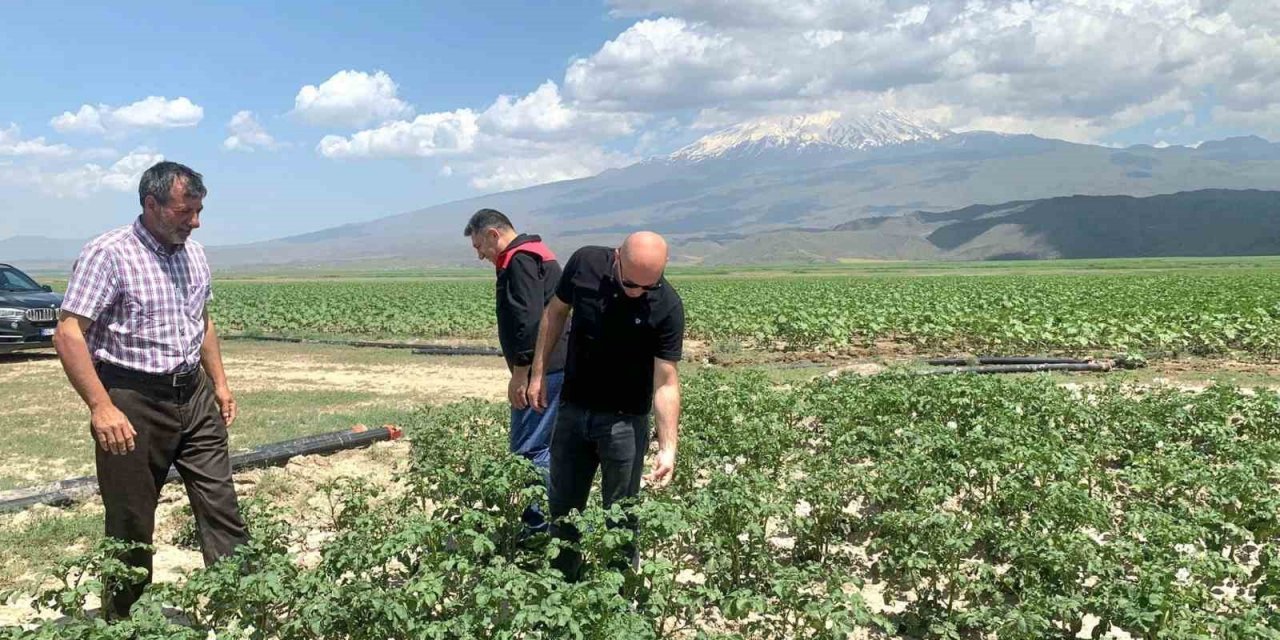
{"x": 617, "y": 262}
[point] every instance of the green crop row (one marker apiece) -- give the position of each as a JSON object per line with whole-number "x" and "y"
{"x": 1198, "y": 314}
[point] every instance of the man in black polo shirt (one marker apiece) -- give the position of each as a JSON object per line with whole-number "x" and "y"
{"x": 626, "y": 338}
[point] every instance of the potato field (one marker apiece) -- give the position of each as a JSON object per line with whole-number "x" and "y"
{"x": 1197, "y": 314}
{"x": 836, "y": 506}
{"x": 883, "y": 506}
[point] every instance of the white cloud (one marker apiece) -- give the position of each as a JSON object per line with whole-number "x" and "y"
{"x": 668, "y": 63}
{"x": 824, "y": 38}
{"x": 543, "y": 114}
{"x": 351, "y": 98}
{"x": 1080, "y": 70}
{"x": 247, "y": 134}
{"x": 12, "y": 144}
{"x": 539, "y": 112}
{"x": 90, "y": 178}
{"x": 87, "y": 120}
{"x": 428, "y": 135}
{"x": 153, "y": 112}
{"x": 156, "y": 112}
{"x": 769, "y": 14}
{"x": 661, "y": 137}
{"x": 515, "y": 142}
{"x": 515, "y": 172}
{"x": 1087, "y": 67}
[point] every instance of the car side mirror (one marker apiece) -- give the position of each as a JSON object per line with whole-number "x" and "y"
{"x": 47, "y": 288}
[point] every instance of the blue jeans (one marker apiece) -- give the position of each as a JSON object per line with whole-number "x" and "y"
{"x": 531, "y": 439}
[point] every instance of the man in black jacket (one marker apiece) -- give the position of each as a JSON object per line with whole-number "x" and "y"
{"x": 527, "y": 273}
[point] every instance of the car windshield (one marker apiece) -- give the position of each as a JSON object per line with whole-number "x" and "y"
{"x": 13, "y": 280}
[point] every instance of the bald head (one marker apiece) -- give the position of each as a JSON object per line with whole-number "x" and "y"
{"x": 642, "y": 258}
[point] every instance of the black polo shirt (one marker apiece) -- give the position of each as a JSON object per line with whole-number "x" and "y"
{"x": 614, "y": 338}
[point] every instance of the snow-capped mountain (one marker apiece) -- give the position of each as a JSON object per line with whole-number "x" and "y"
{"x": 827, "y": 130}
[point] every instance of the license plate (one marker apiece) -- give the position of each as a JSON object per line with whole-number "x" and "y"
{"x": 47, "y": 332}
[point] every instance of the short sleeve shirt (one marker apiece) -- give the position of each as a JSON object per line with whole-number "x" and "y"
{"x": 614, "y": 338}
{"x": 146, "y": 300}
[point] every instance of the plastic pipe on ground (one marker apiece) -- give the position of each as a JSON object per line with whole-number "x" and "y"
{"x": 65, "y": 492}
{"x": 1020, "y": 368}
{"x": 960, "y": 362}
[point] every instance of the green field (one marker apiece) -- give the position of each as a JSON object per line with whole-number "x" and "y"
{"x": 1197, "y": 307}
{"x": 869, "y": 505}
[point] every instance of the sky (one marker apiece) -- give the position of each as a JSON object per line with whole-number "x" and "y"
{"x": 307, "y": 115}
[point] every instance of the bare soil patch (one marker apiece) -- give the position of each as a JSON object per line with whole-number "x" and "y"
{"x": 295, "y": 488}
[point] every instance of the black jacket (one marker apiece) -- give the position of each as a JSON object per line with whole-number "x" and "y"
{"x": 523, "y": 289}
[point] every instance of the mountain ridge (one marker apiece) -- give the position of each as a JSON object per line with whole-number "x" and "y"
{"x": 825, "y": 175}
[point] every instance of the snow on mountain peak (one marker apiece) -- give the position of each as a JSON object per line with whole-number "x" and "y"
{"x": 824, "y": 130}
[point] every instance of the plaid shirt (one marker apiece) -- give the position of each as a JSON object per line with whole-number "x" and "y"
{"x": 146, "y": 300}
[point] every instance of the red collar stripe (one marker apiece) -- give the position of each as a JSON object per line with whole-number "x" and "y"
{"x": 536, "y": 248}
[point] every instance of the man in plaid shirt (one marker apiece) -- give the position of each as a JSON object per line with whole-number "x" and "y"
{"x": 140, "y": 348}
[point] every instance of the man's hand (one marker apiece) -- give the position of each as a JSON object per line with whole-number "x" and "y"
{"x": 517, "y": 389}
{"x": 664, "y": 467}
{"x": 112, "y": 429}
{"x": 553, "y": 319}
{"x": 537, "y": 393}
{"x": 666, "y": 412}
{"x": 227, "y": 403}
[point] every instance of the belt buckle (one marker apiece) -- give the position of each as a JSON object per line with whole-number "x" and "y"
{"x": 180, "y": 379}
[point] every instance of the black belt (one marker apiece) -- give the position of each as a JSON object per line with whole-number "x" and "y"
{"x": 157, "y": 381}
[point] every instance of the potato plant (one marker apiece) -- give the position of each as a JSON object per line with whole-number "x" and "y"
{"x": 972, "y": 507}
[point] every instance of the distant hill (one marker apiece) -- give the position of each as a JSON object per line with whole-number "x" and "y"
{"x": 39, "y": 253}
{"x": 781, "y": 174}
{"x": 786, "y": 176}
{"x": 1212, "y": 222}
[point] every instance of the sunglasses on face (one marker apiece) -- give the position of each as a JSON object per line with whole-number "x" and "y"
{"x": 632, "y": 285}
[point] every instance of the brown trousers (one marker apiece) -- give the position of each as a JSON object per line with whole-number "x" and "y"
{"x": 182, "y": 427}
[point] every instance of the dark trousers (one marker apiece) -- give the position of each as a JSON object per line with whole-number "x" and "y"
{"x": 581, "y": 442}
{"x": 179, "y": 426}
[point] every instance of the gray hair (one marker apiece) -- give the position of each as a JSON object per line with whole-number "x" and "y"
{"x": 158, "y": 182}
{"x": 487, "y": 219}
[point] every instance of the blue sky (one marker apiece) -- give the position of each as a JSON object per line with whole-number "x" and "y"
{"x": 355, "y": 112}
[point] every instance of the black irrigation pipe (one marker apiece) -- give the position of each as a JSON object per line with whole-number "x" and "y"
{"x": 961, "y": 362}
{"x": 1020, "y": 368}
{"x": 66, "y": 492}
{"x": 433, "y": 350}
{"x": 418, "y": 348}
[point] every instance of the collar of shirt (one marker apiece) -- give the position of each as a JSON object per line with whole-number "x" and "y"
{"x": 150, "y": 241}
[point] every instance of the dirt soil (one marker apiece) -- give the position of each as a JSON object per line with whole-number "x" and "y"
{"x": 455, "y": 379}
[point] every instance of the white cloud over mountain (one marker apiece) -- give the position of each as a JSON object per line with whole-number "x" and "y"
{"x": 1081, "y": 70}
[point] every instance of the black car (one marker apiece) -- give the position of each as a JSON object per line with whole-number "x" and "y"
{"x": 28, "y": 311}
